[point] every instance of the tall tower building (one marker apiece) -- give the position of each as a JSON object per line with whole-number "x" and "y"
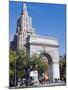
{"x": 24, "y": 27}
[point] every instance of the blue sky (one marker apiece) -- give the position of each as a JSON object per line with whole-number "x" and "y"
{"x": 47, "y": 19}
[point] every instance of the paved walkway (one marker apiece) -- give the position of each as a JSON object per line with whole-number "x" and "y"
{"x": 42, "y": 85}
{"x": 52, "y": 84}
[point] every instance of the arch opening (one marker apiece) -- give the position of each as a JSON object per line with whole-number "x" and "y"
{"x": 49, "y": 72}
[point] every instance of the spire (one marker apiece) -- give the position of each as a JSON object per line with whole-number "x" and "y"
{"x": 24, "y": 9}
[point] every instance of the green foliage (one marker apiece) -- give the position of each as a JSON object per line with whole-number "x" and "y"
{"x": 63, "y": 66}
{"x": 20, "y": 63}
{"x": 38, "y": 61}
{"x": 12, "y": 56}
{"x": 12, "y": 60}
{"x": 20, "y": 59}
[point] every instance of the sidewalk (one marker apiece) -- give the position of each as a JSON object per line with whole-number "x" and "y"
{"x": 41, "y": 85}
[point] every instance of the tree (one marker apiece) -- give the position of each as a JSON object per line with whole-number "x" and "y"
{"x": 21, "y": 64}
{"x": 12, "y": 60}
{"x": 38, "y": 61}
{"x": 63, "y": 67}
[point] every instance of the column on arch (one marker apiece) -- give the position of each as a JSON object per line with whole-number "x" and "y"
{"x": 55, "y": 65}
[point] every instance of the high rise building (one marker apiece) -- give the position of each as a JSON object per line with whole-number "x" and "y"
{"x": 24, "y": 27}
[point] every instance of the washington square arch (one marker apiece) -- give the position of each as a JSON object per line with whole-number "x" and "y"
{"x": 47, "y": 46}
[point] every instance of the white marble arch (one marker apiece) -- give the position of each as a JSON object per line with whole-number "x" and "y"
{"x": 37, "y": 44}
